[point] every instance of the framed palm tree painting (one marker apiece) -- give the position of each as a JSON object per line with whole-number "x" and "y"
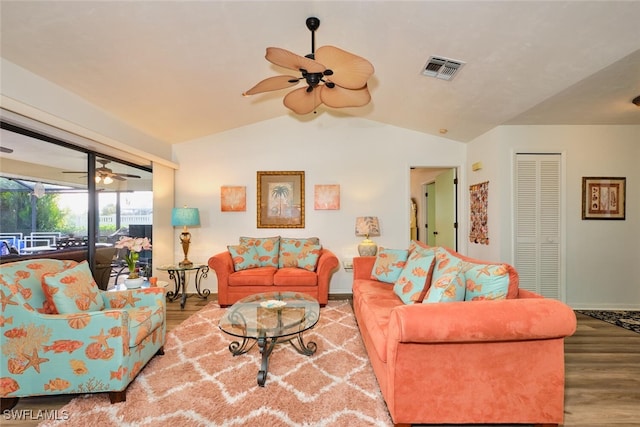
{"x": 280, "y": 199}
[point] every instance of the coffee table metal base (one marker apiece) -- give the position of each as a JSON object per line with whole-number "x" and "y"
{"x": 266, "y": 346}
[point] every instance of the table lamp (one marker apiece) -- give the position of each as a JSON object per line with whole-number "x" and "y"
{"x": 185, "y": 217}
{"x": 367, "y": 226}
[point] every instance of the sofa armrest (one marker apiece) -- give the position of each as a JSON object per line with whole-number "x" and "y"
{"x": 222, "y": 264}
{"x": 144, "y": 297}
{"x": 327, "y": 265}
{"x": 478, "y": 321}
{"x": 362, "y": 267}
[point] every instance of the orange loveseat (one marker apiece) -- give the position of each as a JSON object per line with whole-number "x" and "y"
{"x": 283, "y": 274}
{"x": 466, "y": 362}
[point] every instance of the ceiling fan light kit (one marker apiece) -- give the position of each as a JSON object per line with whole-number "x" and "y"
{"x": 334, "y": 77}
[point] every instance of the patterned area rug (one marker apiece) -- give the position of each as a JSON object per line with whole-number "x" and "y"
{"x": 199, "y": 383}
{"x": 625, "y": 319}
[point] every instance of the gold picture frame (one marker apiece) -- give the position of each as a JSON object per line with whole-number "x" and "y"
{"x": 603, "y": 198}
{"x": 280, "y": 199}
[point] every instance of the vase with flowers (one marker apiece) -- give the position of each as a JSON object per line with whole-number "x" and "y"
{"x": 134, "y": 246}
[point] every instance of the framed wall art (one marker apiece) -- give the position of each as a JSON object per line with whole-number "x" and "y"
{"x": 233, "y": 198}
{"x": 326, "y": 197}
{"x": 281, "y": 199}
{"x": 603, "y": 198}
{"x": 479, "y": 200}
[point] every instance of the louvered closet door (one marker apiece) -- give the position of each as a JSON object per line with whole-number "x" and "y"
{"x": 537, "y": 219}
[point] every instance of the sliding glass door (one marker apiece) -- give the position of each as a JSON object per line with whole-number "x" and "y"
{"x": 59, "y": 200}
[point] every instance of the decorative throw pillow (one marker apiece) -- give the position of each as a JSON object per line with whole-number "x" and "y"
{"x": 486, "y": 282}
{"x": 291, "y": 252}
{"x": 267, "y": 248}
{"x": 448, "y": 286}
{"x": 413, "y": 278}
{"x": 417, "y": 244}
{"x": 299, "y": 253}
{"x": 73, "y": 290}
{"x": 244, "y": 257}
{"x": 389, "y": 264}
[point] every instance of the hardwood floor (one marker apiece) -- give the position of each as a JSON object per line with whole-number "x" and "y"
{"x": 602, "y": 375}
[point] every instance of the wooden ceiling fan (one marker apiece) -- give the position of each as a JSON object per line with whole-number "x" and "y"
{"x": 334, "y": 77}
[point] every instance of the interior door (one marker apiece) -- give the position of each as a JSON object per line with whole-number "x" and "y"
{"x": 430, "y": 194}
{"x": 445, "y": 222}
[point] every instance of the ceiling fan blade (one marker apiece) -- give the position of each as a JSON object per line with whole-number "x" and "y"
{"x": 349, "y": 71}
{"x": 302, "y": 102}
{"x": 127, "y": 175}
{"x": 272, "y": 83}
{"x": 74, "y": 171}
{"x": 290, "y": 60}
{"x": 6, "y": 150}
{"x": 117, "y": 176}
{"x": 339, "y": 97}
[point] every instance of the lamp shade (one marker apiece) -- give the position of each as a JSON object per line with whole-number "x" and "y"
{"x": 367, "y": 226}
{"x": 185, "y": 217}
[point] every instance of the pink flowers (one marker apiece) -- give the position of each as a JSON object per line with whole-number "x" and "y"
{"x": 134, "y": 244}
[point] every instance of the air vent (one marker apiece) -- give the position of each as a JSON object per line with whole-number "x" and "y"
{"x": 442, "y": 68}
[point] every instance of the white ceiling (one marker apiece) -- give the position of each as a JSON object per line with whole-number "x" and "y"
{"x": 176, "y": 69}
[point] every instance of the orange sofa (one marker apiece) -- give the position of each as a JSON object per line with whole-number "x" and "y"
{"x": 466, "y": 362}
{"x": 235, "y": 284}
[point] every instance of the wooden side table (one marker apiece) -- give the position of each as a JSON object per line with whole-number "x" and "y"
{"x": 179, "y": 276}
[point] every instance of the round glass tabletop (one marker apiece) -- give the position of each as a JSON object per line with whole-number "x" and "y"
{"x": 271, "y": 315}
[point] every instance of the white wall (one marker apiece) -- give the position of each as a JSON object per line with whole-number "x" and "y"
{"x": 601, "y": 256}
{"x": 370, "y": 161}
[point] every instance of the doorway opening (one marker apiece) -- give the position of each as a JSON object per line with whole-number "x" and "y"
{"x": 433, "y": 192}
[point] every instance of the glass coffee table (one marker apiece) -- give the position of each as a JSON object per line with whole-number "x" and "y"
{"x": 269, "y": 319}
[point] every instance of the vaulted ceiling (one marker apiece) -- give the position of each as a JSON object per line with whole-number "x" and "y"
{"x": 176, "y": 69}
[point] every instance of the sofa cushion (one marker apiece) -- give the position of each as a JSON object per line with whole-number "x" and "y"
{"x": 415, "y": 275}
{"x": 244, "y": 257}
{"x": 486, "y": 282}
{"x": 291, "y": 276}
{"x": 73, "y": 290}
{"x": 268, "y": 249}
{"x": 259, "y": 276}
{"x": 389, "y": 264}
{"x": 300, "y": 253}
{"x": 375, "y": 305}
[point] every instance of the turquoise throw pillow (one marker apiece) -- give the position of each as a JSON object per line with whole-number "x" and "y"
{"x": 73, "y": 290}
{"x": 449, "y": 287}
{"x": 448, "y": 282}
{"x": 268, "y": 249}
{"x": 414, "y": 276}
{"x": 297, "y": 253}
{"x": 291, "y": 248}
{"x": 244, "y": 257}
{"x": 486, "y": 282}
{"x": 389, "y": 264}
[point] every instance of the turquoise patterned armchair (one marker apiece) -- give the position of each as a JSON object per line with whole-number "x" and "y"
{"x": 99, "y": 342}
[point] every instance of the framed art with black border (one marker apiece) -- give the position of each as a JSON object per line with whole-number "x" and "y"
{"x": 603, "y": 198}
{"x": 280, "y": 199}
